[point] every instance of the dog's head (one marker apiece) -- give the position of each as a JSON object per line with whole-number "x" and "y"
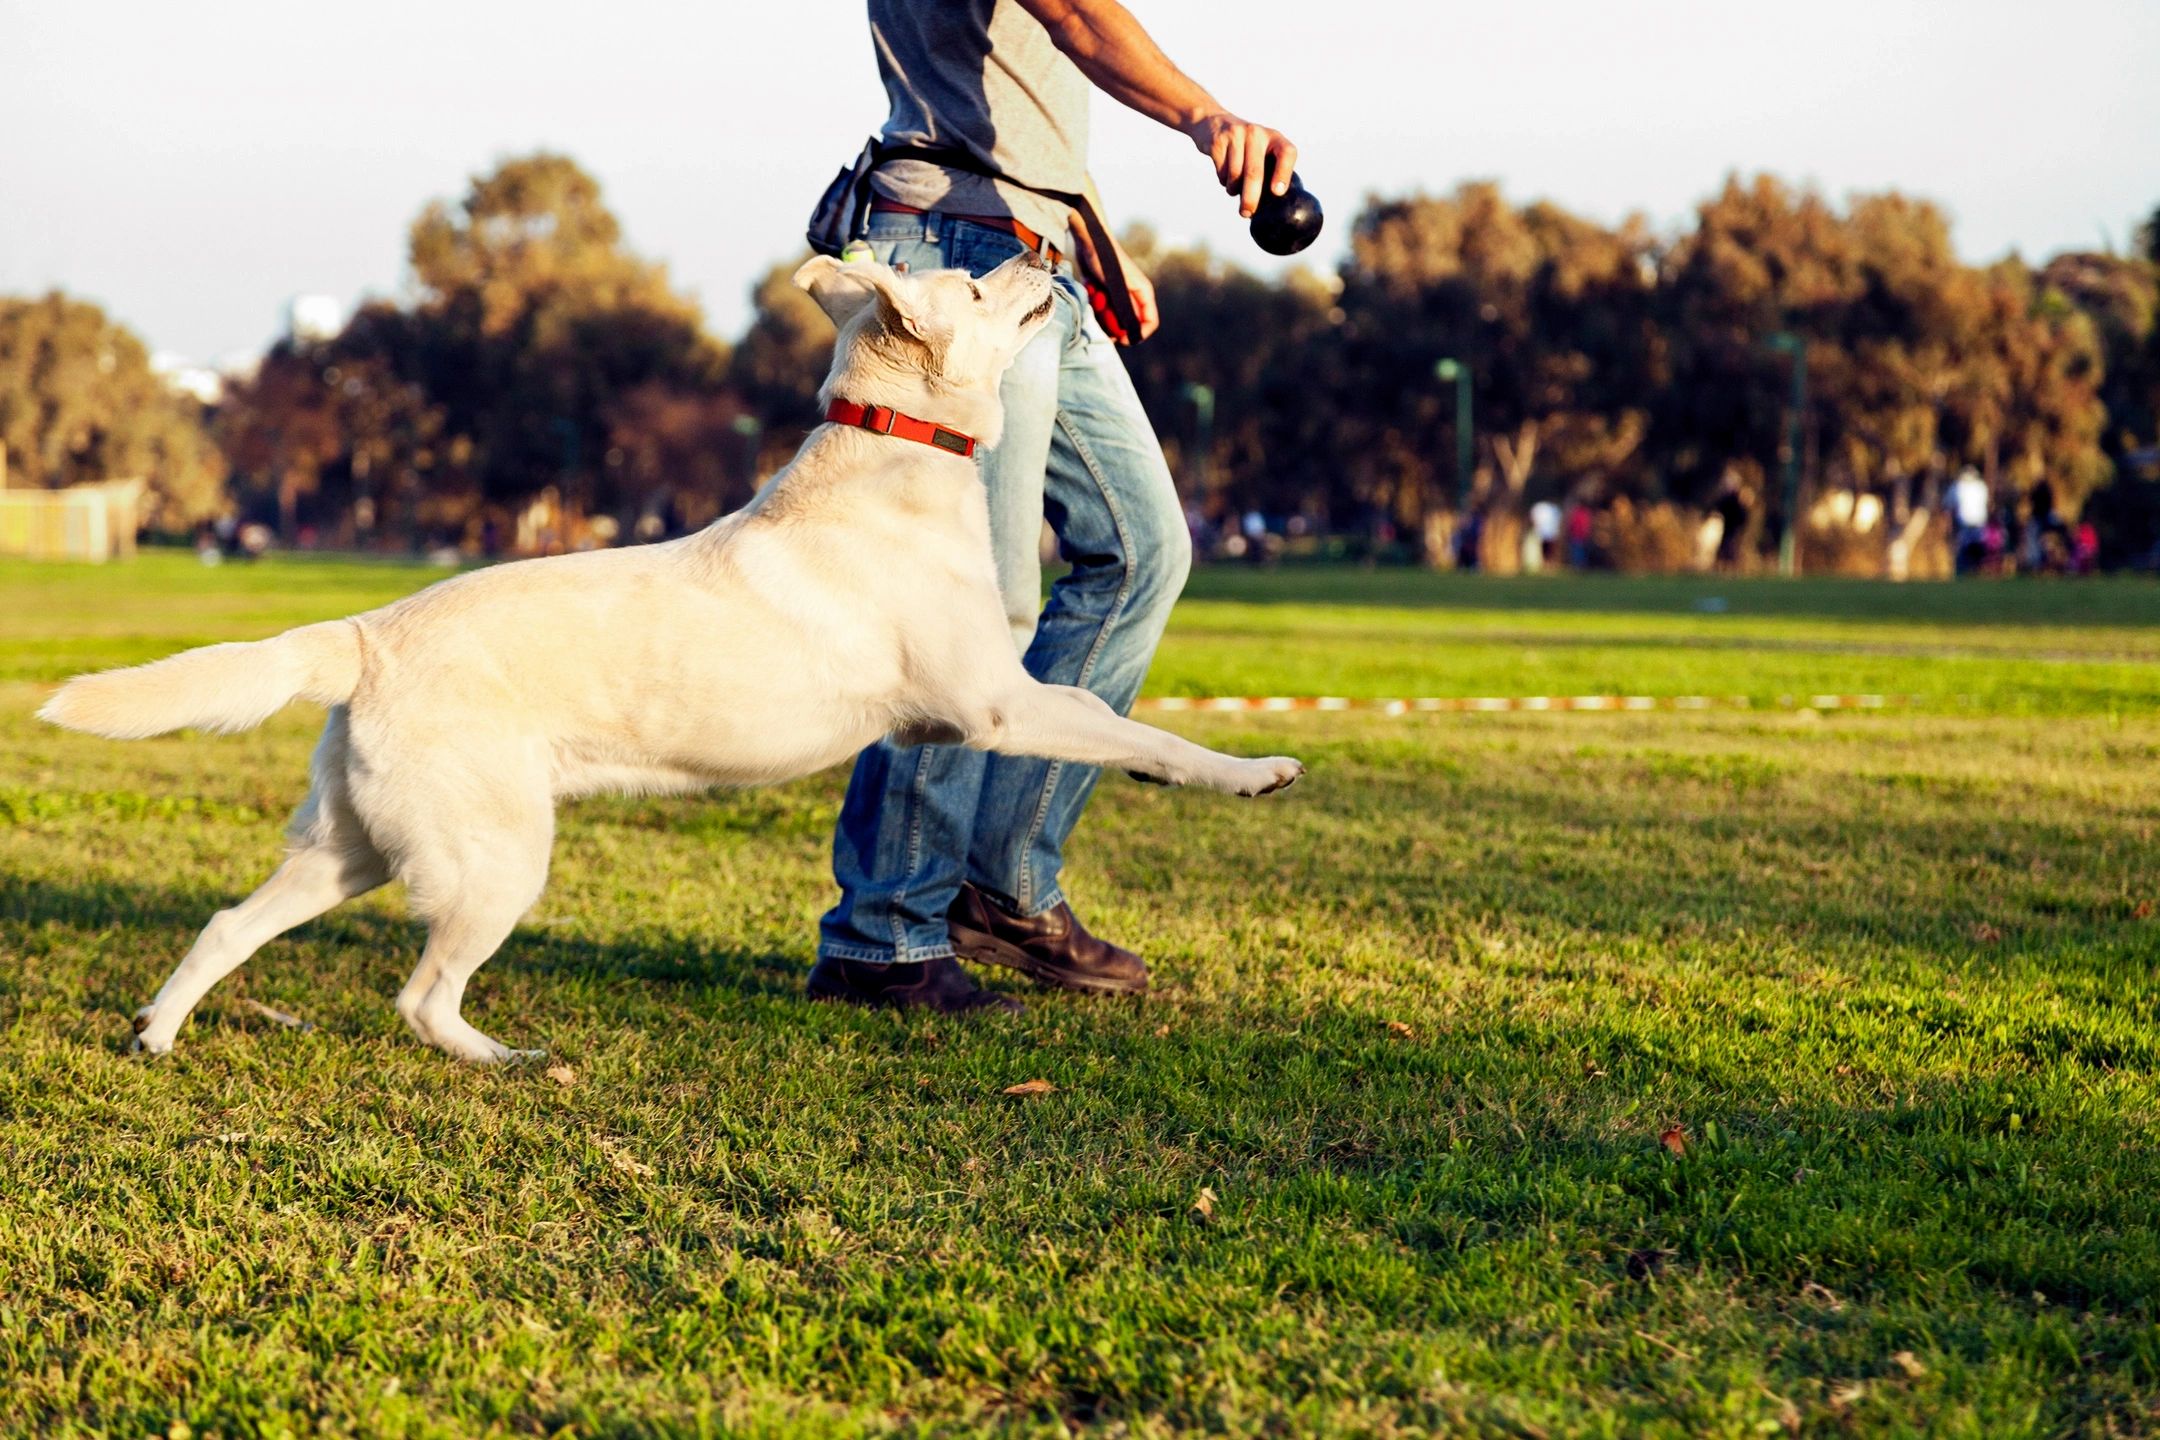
{"x": 933, "y": 344}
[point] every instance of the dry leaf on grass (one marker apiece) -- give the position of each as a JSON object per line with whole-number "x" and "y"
{"x": 1204, "y": 1203}
{"x": 1399, "y": 1030}
{"x": 1908, "y": 1362}
{"x": 1985, "y": 933}
{"x": 1674, "y": 1138}
{"x": 2143, "y": 910}
{"x": 279, "y": 1017}
{"x": 562, "y": 1075}
{"x": 1031, "y": 1087}
{"x": 1822, "y": 1295}
{"x": 1162, "y": 1032}
{"x": 623, "y": 1160}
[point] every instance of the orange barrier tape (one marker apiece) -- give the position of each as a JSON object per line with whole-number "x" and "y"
{"x": 1476, "y": 704}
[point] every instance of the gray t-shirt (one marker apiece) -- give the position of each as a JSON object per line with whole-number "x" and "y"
{"x": 981, "y": 76}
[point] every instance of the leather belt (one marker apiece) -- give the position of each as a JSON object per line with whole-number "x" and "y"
{"x": 879, "y": 205}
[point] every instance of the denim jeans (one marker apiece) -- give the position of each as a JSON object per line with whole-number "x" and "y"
{"x": 1078, "y": 451}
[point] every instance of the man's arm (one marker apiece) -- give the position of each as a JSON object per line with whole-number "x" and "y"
{"x": 1109, "y": 46}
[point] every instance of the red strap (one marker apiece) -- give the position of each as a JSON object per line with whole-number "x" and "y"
{"x": 887, "y": 421}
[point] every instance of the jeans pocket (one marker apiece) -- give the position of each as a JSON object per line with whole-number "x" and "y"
{"x": 978, "y": 249}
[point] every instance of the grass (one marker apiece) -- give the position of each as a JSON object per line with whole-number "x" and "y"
{"x": 1884, "y": 982}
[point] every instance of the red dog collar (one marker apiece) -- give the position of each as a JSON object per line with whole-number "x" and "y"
{"x": 887, "y": 421}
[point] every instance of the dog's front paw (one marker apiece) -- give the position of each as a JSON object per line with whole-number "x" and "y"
{"x": 1265, "y": 777}
{"x": 144, "y": 1044}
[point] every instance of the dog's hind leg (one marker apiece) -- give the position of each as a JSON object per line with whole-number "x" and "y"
{"x": 331, "y": 861}
{"x": 472, "y": 888}
{"x": 310, "y": 882}
{"x": 1063, "y": 722}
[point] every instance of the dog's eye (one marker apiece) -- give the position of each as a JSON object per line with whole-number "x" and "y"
{"x": 975, "y": 290}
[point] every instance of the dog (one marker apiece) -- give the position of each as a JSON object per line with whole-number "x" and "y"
{"x": 853, "y": 597}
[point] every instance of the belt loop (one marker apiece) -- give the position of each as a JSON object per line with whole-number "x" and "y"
{"x": 930, "y": 228}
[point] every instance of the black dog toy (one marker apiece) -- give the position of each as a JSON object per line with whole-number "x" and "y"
{"x": 1285, "y": 224}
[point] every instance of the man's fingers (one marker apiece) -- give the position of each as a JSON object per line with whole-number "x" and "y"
{"x": 1285, "y": 155}
{"x": 1256, "y": 148}
{"x": 1220, "y": 151}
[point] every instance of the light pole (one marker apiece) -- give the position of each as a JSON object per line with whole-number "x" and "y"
{"x": 1788, "y": 550}
{"x": 1455, "y": 370}
{"x": 1202, "y": 398}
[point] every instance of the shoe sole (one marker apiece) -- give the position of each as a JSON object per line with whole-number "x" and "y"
{"x": 989, "y": 950}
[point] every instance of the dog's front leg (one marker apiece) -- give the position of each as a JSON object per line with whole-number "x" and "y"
{"x": 1062, "y": 722}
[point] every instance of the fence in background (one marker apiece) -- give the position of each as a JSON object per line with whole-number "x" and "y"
{"x": 83, "y": 522}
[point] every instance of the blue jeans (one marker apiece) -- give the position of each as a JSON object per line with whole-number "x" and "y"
{"x": 1078, "y": 451}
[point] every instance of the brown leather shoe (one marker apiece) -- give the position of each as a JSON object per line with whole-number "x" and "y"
{"x": 1052, "y": 948}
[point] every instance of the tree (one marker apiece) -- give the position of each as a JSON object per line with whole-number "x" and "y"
{"x": 782, "y": 359}
{"x": 1552, "y": 315}
{"x": 534, "y": 321}
{"x": 79, "y": 402}
{"x": 333, "y": 434}
{"x": 1253, "y": 344}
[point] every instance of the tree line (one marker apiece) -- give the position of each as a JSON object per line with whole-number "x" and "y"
{"x": 539, "y": 368}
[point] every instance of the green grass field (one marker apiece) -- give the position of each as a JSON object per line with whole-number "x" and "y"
{"x": 1645, "y": 1074}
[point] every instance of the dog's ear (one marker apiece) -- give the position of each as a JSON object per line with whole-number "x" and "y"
{"x": 842, "y": 288}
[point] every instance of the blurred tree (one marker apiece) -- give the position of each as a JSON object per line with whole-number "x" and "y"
{"x": 534, "y": 320}
{"x": 781, "y": 360}
{"x": 2121, "y": 294}
{"x": 681, "y": 456}
{"x": 334, "y": 435}
{"x": 79, "y": 402}
{"x": 2028, "y": 404}
{"x": 1552, "y": 314}
{"x": 1253, "y": 343}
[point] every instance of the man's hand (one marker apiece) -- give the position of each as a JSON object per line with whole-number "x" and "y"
{"x": 1240, "y": 150}
{"x": 1137, "y": 284}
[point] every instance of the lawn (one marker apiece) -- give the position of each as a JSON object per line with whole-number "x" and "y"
{"x": 1723, "y": 1073}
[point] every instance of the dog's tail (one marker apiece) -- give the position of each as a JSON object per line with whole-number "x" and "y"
{"x": 218, "y": 687}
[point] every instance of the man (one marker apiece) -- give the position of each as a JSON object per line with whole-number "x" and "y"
{"x": 942, "y": 850}
{"x": 1969, "y": 507}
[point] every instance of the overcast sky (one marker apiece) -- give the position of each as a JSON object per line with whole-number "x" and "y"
{"x": 191, "y": 167}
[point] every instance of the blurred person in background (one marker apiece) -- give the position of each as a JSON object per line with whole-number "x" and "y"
{"x": 942, "y": 850}
{"x": 1969, "y": 513}
{"x": 1545, "y": 524}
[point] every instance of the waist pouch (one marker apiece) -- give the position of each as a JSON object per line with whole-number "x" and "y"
{"x": 843, "y": 214}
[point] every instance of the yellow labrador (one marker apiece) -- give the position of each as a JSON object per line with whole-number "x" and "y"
{"x": 853, "y": 597}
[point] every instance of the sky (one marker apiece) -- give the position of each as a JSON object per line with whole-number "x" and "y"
{"x": 193, "y": 167}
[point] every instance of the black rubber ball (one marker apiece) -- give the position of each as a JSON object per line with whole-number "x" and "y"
{"x": 1285, "y": 224}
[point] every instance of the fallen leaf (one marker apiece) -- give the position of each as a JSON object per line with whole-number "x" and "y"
{"x": 1162, "y": 1032}
{"x": 1399, "y": 1030}
{"x": 1844, "y": 1397}
{"x": 1845, "y": 1070}
{"x": 624, "y": 1161}
{"x": 562, "y": 1075}
{"x": 1204, "y": 1203}
{"x": 1592, "y": 1070}
{"x": 1985, "y": 933}
{"x": 1643, "y": 1264}
{"x": 232, "y": 1137}
{"x": 1674, "y": 1138}
{"x": 2143, "y": 910}
{"x": 1031, "y": 1087}
{"x": 1908, "y": 1362}
{"x": 280, "y": 1017}
{"x": 1822, "y": 1295}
